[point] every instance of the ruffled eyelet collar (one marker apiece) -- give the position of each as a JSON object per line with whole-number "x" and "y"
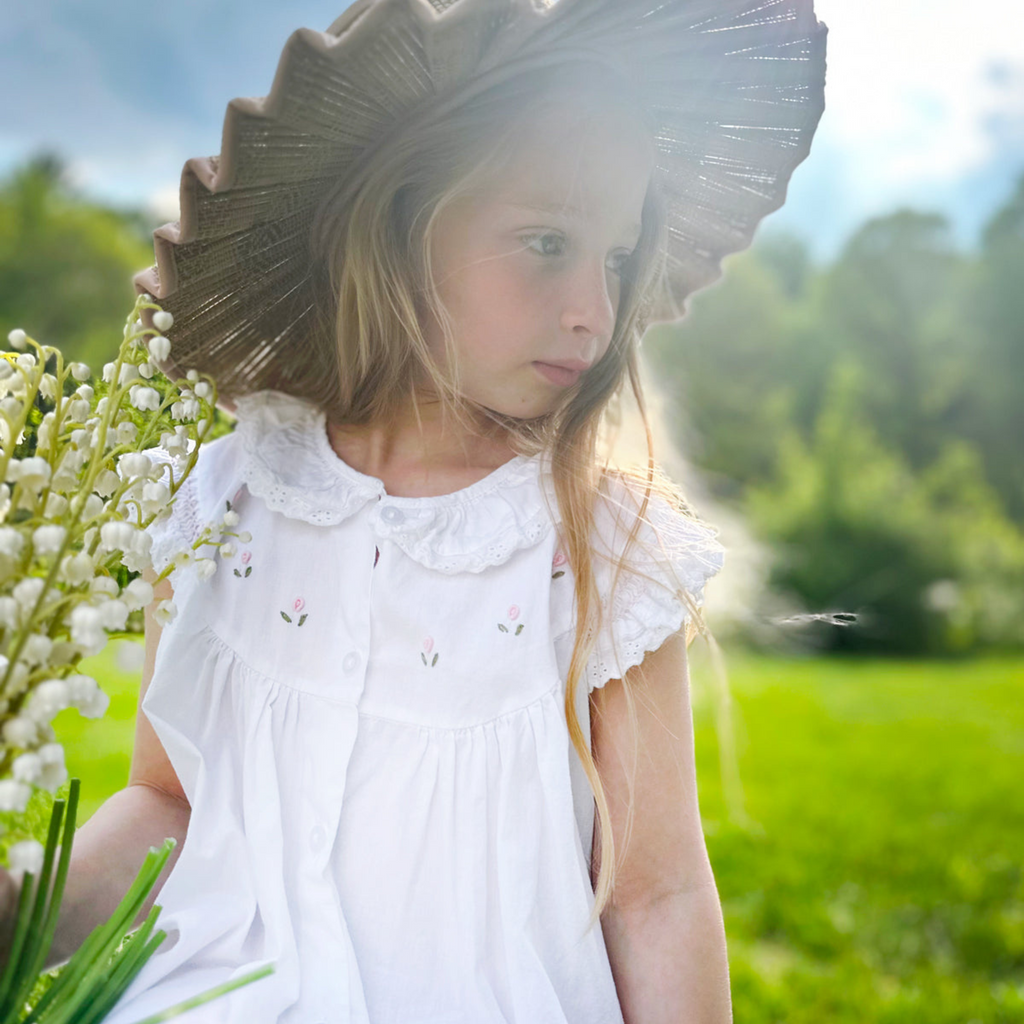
{"x": 290, "y": 464}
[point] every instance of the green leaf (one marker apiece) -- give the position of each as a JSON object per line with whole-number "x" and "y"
{"x": 504, "y": 629}
{"x": 305, "y": 616}
{"x": 248, "y": 569}
{"x": 519, "y": 628}
{"x": 434, "y": 661}
{"x": 285, "y": 617}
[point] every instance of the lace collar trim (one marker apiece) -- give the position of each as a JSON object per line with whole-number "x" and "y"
{"x": 289, "y": 463}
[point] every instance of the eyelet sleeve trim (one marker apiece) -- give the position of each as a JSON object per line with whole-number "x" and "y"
{"x": 672, "y": 553}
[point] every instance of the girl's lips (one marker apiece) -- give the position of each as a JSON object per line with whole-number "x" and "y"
{"x": 558, "y": 374}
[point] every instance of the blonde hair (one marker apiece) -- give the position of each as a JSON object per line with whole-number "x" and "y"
{"x": 371, "y": 246}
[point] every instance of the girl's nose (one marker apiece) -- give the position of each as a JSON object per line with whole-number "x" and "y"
{"x": 588, "y": 308}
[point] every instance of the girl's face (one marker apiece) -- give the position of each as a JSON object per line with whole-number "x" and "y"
{"x": 529, "y": 268}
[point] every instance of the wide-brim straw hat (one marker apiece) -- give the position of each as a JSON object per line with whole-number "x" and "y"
{"x": 735, "y": 87}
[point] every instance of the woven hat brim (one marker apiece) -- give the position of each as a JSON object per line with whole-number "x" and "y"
{"x": 736, "y": 88}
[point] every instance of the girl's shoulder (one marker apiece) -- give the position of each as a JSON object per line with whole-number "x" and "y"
{"x": 649, "y": 526}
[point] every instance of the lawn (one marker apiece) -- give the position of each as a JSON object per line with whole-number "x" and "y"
{"x": 883, "y": 879}
{"x": 881, "y": 876}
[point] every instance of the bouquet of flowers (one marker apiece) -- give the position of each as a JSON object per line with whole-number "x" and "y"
{"x": 77, "y": 493}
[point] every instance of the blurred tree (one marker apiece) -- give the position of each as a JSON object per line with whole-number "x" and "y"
{"x": 929, "y": 562}
{"x": 892, "y": 300}
{"x": 66, "y": 264}
{"x": 995, "y": 414}
{"x": 725, "y": 369}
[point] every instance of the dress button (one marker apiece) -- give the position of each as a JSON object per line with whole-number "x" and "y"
{"x": 317, "y": 838}
{"x": 350, "y": 662}
{"x": 390, "y": 514}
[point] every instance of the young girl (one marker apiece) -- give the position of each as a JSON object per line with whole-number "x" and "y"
{"x": 425, "y": 738}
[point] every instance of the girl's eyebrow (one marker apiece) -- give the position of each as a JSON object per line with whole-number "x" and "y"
{"x": 561, "y": 208}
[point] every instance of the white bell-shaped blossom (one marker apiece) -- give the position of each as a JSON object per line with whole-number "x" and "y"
{"x": 48, "y": 699}
{"x": 54, "y": 773}
{"x": 87, "y": 629}
{"x": 116, "y": 535}
{"x": 77, "y": 569}
{"x": 17, "y": 337}
{"x": 10, "y": 613}
{"x": 129, "y": 372}
{"x": 104, "y": 585}
{"x": 27, "y": 767}
{"x": 165, "y": 612}
{"x": 32, "y": 473}
{"x": 114, "y": 614}
{"x": 56, "y": 505}
{"x": 37, "y": 649}
{"x": 12, "y": 542}
{"x": 26, "y": 592}
{"x": 26, "y": 858}
{"x": 145, "y": 398}
{"x": 127, "y": 432}
{"x": 47, "y": 539}
{"x": 137, "y": 594}
{"x": 175, "y": 443}
{"x": 137, "y": 558}
{"x": 85, "y": 694}
{"x": 159, "y": 347}
{"x": 162, "y": 320}
{"x": 154, "y": 496}
{"x": 78, "y": 410}
{"x": 80, "y": 371}
{"x": 14, "y": 795}
{"x": 10, "y": 406}
{"x": 44, "y": 435}
{"x": 134, "y": 464}
{"x": 48, "y": 386}
{"x": 107, "y": 481}
{"x": 20, "y": 731}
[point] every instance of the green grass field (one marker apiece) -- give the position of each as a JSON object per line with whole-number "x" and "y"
{"x": 882, "y": 877}
{"x": 884, "y": 880}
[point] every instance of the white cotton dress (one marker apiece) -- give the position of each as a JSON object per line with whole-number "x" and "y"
{"x": 365, "y": 709}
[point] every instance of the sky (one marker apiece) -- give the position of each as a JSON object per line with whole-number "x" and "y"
{"x": 924, "y": 101}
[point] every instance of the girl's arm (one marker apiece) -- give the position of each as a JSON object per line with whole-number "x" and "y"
{"x": 663, "y": 928}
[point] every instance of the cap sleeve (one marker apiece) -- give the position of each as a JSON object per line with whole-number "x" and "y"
{"x": 672, "y": 552}
{"x": 179, "y": 526}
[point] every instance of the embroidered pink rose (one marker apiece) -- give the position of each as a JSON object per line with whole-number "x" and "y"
{"x": 556, "y": 563}
{"x": 512, "y": 614}
{"x": 297, "y": 605}
{"x": 428, "y": 646}
{"x": 246, "y": 557}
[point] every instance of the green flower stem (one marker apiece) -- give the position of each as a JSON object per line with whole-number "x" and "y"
{"x": 220, "y": 990}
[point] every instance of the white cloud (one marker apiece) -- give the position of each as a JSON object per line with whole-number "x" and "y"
{"x": 914, "y": 85}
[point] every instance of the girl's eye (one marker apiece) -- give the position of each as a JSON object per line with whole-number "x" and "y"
{"x": 553, "y": 244}
{"x": 620, "y": 262}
